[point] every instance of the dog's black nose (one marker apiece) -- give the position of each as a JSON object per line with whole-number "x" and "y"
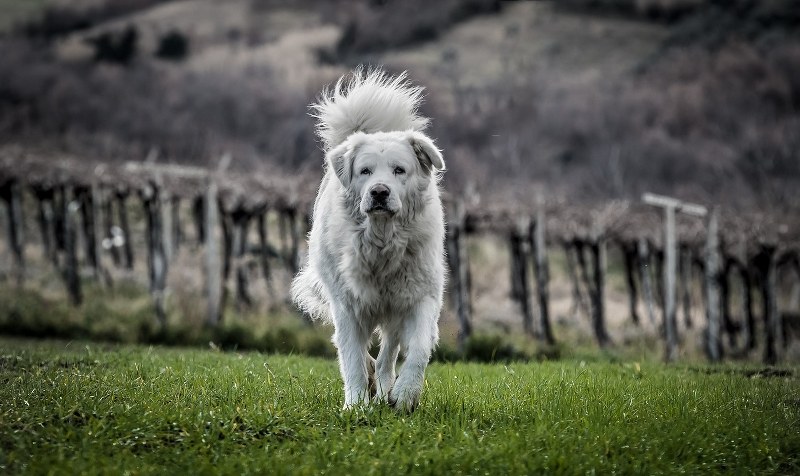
{"x": 379, "y": 192}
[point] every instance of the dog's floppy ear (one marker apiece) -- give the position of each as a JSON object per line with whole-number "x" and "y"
{"x": 427, "y": 153}
{"x": 341, "y": 157}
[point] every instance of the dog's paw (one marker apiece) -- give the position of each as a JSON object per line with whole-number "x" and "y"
{"x": 404, "y": 398}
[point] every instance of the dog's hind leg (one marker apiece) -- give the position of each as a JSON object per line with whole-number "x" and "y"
{"x": 373, "y": 384}
{"x": 387, "y": 358}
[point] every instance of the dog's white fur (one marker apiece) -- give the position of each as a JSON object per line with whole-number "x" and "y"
{"x": 376, "y": 252}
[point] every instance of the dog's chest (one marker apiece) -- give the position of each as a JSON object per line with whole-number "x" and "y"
{"x": 387, "y": 278}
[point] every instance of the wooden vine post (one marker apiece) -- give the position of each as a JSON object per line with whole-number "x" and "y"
{"x": 263, "y": 256}
{"x": 213, "y": 262}
{"x": 766, "y": 265}
{"x": 157, "y": 258}
{"x": 597, "y": 246}
{"x": 12, "y": 196}
{"x": 459, "y": 272}
{"x": 629, "y": 258}
{"x": 670, "y": 206}
{"x": 520, "y": 284}
{"x": 542, "y": 272}
{"x": 713, "y": 346}
{"x": 643, "y": 253}
{"x": 70, "y": 272}
{"x": 241, "y": 224}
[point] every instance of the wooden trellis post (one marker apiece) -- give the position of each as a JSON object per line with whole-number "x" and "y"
{"x": 198, "y": 217}
{"x": 578, "y": 302}
{"x": 283, "y": 230}
{"x": 459, "y": 272}
{"x": 263, "y": 256}
{"x": 157, "y": 259}
{"x": 112, "y": 238}
{"x": 516, "y": 270}
{"x": 598, "y": 250}
{"x": 713, "y": 345}
{"x": 670, "y": 206}
{"x": 241, "y": 223}
{"x": 46, "y": 218}
{"x": 747, "y": 308}
{"x": 90, "y": 244}
{"x": 724, "y": 283}
{"x": 165, "y": 209}
{"x": 629, "y": 259}
{"x": 12, "y": 196}
{"x": 685, "y": 268}
{"x": 70, "y": 272}
{"x": 542, "y": 272}
{"x": 122, "y": 213}
{"x": 767, "y": 267}
{"x": 97, "y": 234}
{"x": 520, "y": 285}
{"x": 643, "y": 252}
{"x": 289, "y": 227}
{"x": 595, "y": 283}
{"x": 213, "y": 264}
{"x": 176, "y": 231}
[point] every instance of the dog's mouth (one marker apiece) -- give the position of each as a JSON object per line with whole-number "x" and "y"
{"x": 380, "y": 209}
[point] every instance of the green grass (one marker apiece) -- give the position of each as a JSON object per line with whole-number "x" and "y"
{"x": 72, "y": 407}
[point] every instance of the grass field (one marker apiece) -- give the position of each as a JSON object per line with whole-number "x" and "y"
{"x": 73, "y": 407}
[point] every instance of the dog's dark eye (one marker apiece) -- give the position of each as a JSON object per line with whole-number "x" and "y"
{"x": 399, "y": 170}
{"x": 366, "y": 171}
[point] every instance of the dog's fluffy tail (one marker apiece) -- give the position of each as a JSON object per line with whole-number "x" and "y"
{"x": 369, "y": 101}
{"x": 307, "y": 294}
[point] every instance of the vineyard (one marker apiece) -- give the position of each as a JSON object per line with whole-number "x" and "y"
{"x": 81, "y": 216}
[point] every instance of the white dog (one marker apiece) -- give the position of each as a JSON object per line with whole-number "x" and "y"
{"x": 376, "y": 251}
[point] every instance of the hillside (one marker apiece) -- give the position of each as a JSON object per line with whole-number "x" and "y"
{"x": 586, "y": 100}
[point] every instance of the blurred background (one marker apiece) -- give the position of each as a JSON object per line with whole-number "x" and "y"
{"x": 582, "y": 101}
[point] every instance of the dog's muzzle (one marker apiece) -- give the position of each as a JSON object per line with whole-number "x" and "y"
{"x": 379, "y": 200}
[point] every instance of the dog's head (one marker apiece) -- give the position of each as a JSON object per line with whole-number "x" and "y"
{"x": 384, "y": 172}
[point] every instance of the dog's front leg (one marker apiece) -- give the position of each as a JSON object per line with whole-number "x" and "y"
{"x": 351, "y": 342}
{"x": 420, "y": 333}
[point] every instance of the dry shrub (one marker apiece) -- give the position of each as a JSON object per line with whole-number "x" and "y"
{"x": 372, "y": 26}
{"x": 109, "y": 111}
{"x": 711, "y": 125}
{"x": 63, "y": 18}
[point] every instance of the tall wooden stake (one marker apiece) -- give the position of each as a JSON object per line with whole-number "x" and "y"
{"x": 768, "y": 272}
{"x": 712, "y": 291}
{"x": 643, "y": 250}
{"x": 686, "y": 285}
{"x": 542, "y": 272}
{"x": 11, "y": 195}
{"x": 263, "y": 256}
{"x": 457, "y": 254}
{"x": 578, "y": 301}
{"x": 670, "y": 252}
{"x": 213, "y": 264}
{"x": 157, "y": 259}
{"x": 670, "y": 206}
{"x": 70, "y": 231}
{"x": 629, "y": 258}
{"x": 519, "y": 265}
{"x": 122, "y": 211}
